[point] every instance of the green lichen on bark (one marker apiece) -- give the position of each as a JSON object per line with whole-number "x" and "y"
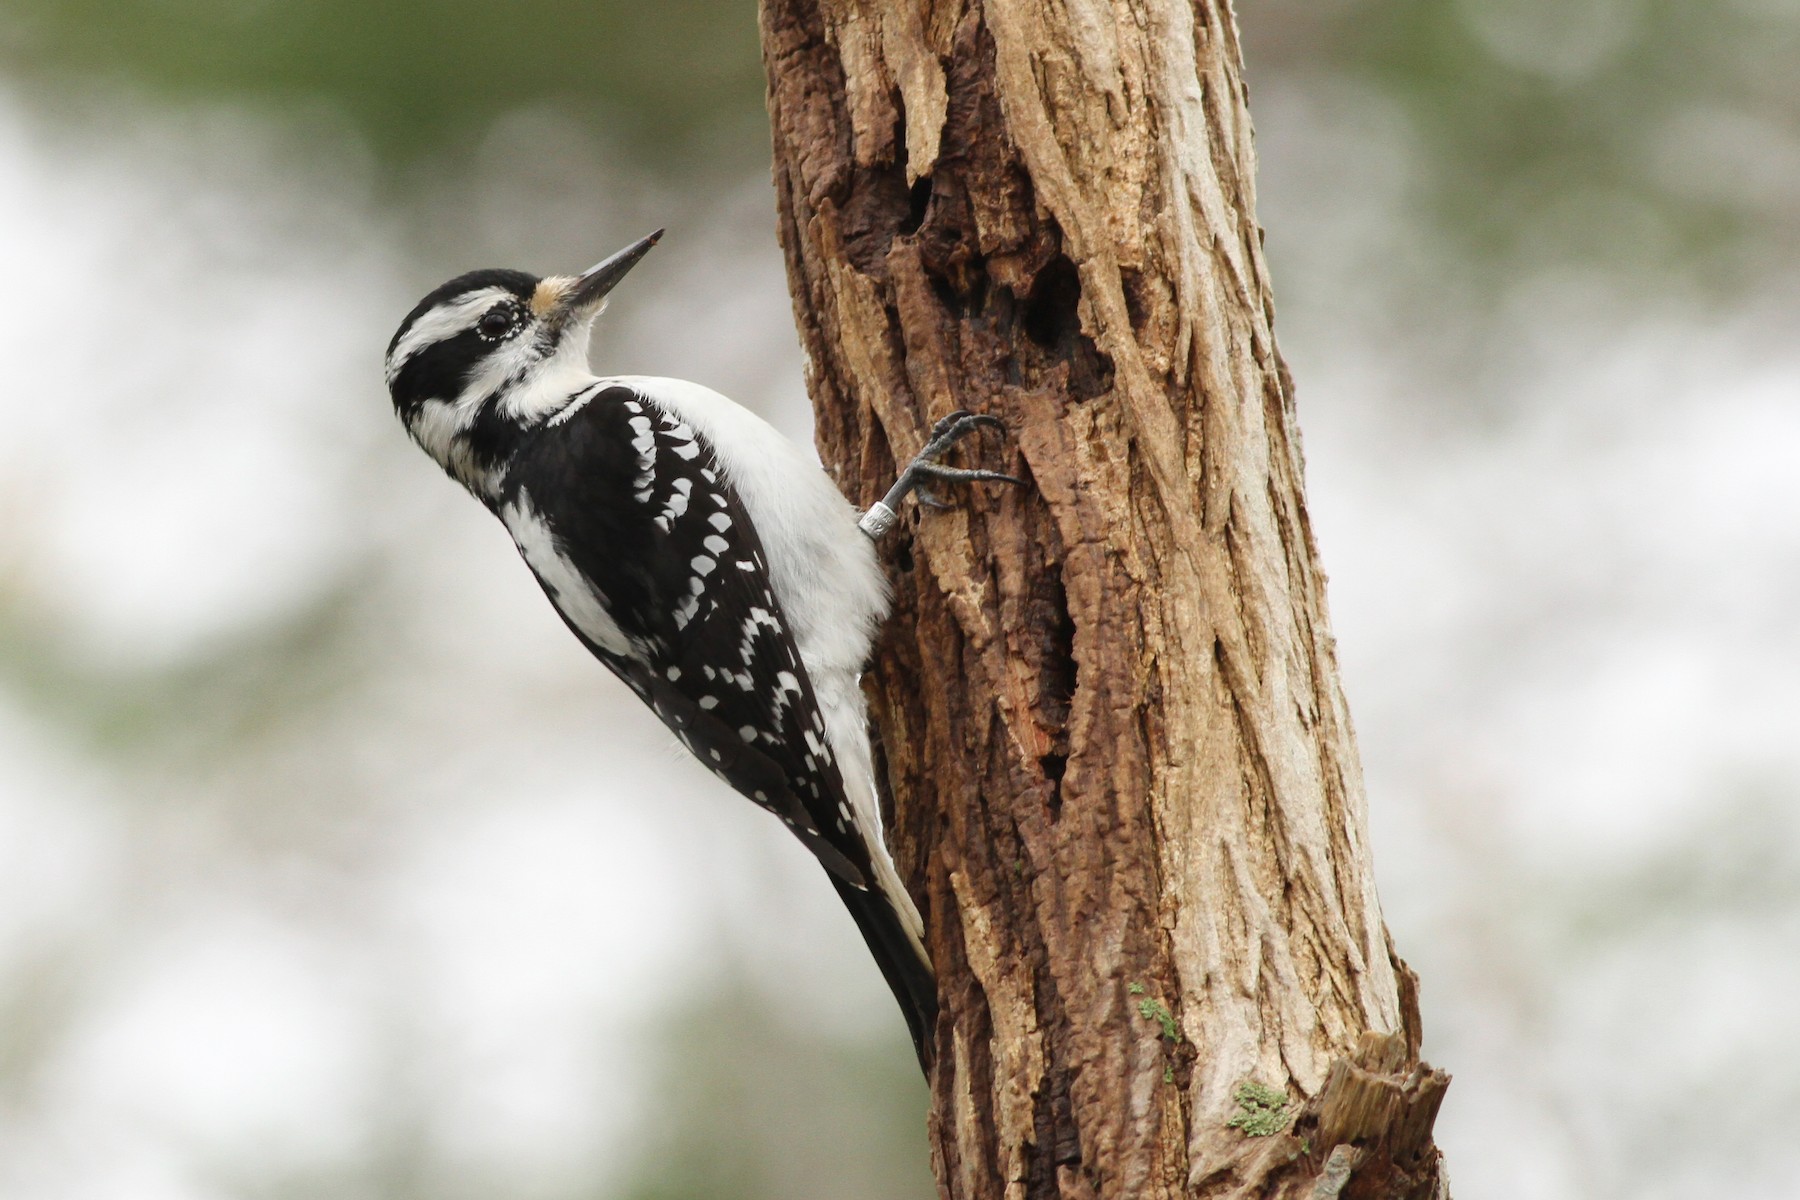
{"x": 1262, "y": 1110}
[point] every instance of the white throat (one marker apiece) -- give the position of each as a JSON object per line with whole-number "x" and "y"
{"x": 548, "y": 387}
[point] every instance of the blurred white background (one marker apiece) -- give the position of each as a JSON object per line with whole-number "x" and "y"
{"x": 330, "y": 867}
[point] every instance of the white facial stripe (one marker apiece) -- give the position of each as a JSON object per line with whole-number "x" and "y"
{"x": 528, "y": 387}
{"x": 433, "y": 427}
{"x": 506, "y": 362}
{"x": 443, "y": 323}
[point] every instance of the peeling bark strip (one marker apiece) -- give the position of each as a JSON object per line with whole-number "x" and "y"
{"x": 1126, "y": 791}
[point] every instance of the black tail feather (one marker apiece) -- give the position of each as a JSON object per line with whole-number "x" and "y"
{"x": 909, "y": 976}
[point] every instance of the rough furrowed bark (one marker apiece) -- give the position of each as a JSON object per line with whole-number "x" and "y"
{"x": 1124, "y": 783}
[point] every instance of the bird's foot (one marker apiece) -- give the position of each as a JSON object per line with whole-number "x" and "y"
{"x": 925, "y": 469}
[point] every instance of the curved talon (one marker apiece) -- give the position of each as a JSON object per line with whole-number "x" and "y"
{"x": 953, "y": 428}
{"x": 967, "y": 474}
{"x": 943, "y": 425}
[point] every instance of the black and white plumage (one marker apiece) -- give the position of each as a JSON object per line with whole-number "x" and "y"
{"x": 704, "y": 558}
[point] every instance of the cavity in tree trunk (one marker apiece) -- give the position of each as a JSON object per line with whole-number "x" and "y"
{"x": 1125, "y": 790}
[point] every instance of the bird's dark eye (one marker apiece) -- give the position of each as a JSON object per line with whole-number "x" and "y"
{"x": 496, "y": 322}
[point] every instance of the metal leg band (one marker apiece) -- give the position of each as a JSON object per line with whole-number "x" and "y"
{"x": 878, "y": 520}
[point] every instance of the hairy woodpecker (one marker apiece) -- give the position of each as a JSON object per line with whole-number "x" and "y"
{"x": 704, "y": 558}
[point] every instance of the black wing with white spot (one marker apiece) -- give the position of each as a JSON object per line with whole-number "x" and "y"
{"x": 633, "y": 500}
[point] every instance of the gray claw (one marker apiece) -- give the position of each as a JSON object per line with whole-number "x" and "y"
{"x": 943, "y": 426}
{"x": 961, "y": 474}
{"x": 953, "y": 429}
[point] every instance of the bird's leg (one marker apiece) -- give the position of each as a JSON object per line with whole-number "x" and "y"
{"x": 926, "y": 468}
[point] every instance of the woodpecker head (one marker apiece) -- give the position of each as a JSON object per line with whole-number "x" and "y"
{"x": 492, "y": 354}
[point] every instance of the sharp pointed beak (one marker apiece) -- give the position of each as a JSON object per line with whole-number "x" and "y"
{"x": 592, "y": 285}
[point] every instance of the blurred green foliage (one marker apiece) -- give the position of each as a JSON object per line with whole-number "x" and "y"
{"x": 418, "y": 75}
{"x": 755, "y": 1108}
{"x": 1625, "y": 133}
{"x": 229, "y": 700}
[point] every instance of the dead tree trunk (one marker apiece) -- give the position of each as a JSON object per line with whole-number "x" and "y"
{"x": 1125, "y": 786}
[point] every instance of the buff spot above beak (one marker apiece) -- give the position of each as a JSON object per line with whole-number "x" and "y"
{"x": 549, "y": 293}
